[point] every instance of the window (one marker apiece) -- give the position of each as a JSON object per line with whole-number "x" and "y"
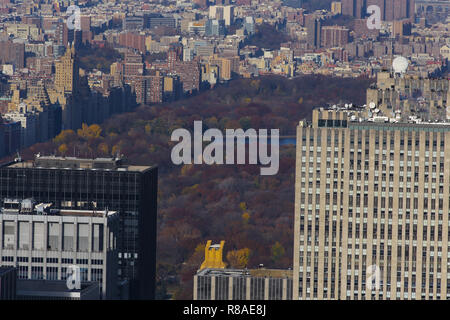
{"x": 9, "y": 235}
{"x": 68, "y": 235}
{"x": 24, "y": 235}
{"x": 83, "y": 237}
{"x": 97, "y": 237}
{"x": 53, "y": 236}
{"x": 38, "y": 236}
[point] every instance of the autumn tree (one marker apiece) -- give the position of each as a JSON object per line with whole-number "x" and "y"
{"x": 88, "y": 132}
{"x": 103, "y": 148}
{"x": 63, "y": 149}
{"x": 277, "y": 252}
{"x": 238, "y": 258}
{"x": 188, "y": 271}
{"x": 65, "y": 136}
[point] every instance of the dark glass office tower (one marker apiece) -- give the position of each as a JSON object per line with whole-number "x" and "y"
{"x": 75, "y": 183}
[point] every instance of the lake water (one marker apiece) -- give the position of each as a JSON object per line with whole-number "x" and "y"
{"x": 287, "y": 141}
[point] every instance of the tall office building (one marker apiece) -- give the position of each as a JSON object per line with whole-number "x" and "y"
{"x": 43, "y": 242}
{"x": 371, "y": 193}
{"x": 353, "y": 8}
{"x": 249, "y": 25}
{"x": 313, "y": 26}
{"x": 390, "y": 9}
{"x": 97, "y": 184}
{"x": 336, "y": 7}
{"x": 379, "y": 3}
{"x": 222, "y": 13}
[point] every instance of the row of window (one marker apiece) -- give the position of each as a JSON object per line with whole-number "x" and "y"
{"x": 53, "y": 260}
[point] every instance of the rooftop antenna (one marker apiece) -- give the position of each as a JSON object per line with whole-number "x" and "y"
{"x": 94, "y": 207}
{"x": 19, "y": 158}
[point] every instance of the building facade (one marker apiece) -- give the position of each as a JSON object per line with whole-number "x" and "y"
{"x": 371, "y": 194}
{"x": 43, "y": 242}
{"x": 97, "y": 184}
{"x": 238, "y": 284}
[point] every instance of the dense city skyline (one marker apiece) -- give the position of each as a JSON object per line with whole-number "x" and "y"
{"x": 224, "y": 150}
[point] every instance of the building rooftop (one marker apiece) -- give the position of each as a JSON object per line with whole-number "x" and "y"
{"x": 357, "y": 116}
{"x": 75, "y": 163}
{"x": 258, "y": 273}
{"x": 29, "y": 206}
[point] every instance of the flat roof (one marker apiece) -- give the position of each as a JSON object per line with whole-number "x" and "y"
{"x": 59, "y": 165}
{"x": 257, "y": 273}
{"x": 86, "y": 213}
{"x": 63, "y": 212}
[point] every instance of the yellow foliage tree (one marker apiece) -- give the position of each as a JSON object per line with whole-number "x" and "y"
{"x": 190, "y": 189}
{"x": 185, "y": 169}
{"x": 246, "y": 217}
{"x": 63, "y": 148}
{"x": 115, "y": 149}
{"x": 238, "y": 258}
{"x": 243, "y": 206}
{"x": 277, "y": 251}
{"x": 87, "y": 132}
{"x": 300, "y": 100}
{"x": 64, "y": 137}
{"x": 103, "y": 147}
{"x": 148, "y": 128}
{"x": 255, "y": 83}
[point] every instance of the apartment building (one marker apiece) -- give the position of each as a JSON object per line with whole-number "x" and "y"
{"x": 371, "y": 197}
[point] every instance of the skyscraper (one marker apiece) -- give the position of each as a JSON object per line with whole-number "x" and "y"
{"x": 371, "y": 194}
{"x": 67, "y": 72}
{"x": 390, "y": 9}
{"x": 355, "y": 8}
{"x": 43, "y": 242}
{"x": 102, "y": 183}
{"x": 313, "y": 26}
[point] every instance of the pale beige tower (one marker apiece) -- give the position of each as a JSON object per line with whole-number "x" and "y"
{"x": 67, "y": 72}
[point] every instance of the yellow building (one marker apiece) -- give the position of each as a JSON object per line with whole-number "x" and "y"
{"x": 67, "y": 72}
{"x": 336, "y": 7}
{"x": 213, "y": 256}
{"x": 224, "y": 65}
